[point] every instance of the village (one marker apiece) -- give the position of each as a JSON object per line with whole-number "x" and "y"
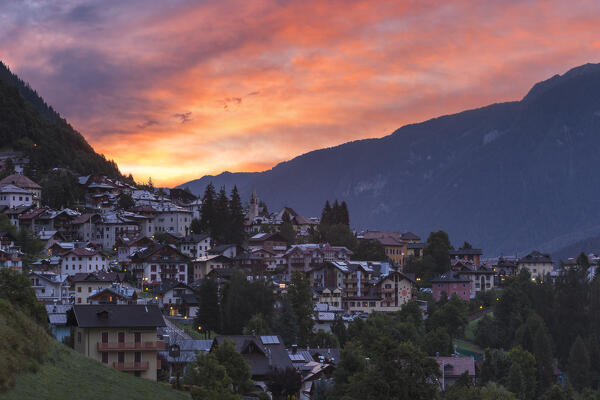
{"x": 122, "y": 279}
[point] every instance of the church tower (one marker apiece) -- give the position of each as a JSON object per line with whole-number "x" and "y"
{"x": 253, "y": 208}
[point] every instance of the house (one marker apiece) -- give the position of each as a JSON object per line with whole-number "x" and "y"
{"x": 83, "y": 259}
{"x": 503, "y": 268}
{"x": 387, "y": 294}
{"x": 261, "y": 353}
{"x": 57, "y": 317}
{"x": 173, "y": 219}
{"x": 470, "y": 255}
{"x": 83, "y": 227}
{"x": 176, "y": 298}
{"x": 50, "y": 287}
{"x": 538, "y": 264}
{"x": 195, "y": 245}
{"x": 51, "y": 264}
{"x": 158, "y": 263}
{"x": 227, "y": 250}
{"x": 396, "y": 244}
{"x": 305, "y": 257}
{"x": 84, "y": 284}
{"x": 23, "y": 182}
{"x": 480, "y": 276}
{"x": 203, "y": 266}
{"x": 13, "y": 196}
{"x": 114, "y": 294}
{"x": 451, "y": 283}
{"x": 272, "y": 242}
{"x": 453, "y": 367}
{"x": 127, "y": 247}
{"x": 122, "y": 336}
{"x": 11, "y": 258}
{"x": 181, "y": 352}
{"x": 50, "y": 237}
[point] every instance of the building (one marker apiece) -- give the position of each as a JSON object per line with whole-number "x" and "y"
{"x": 203, "y": 266}
{"x": 159, "y": 263}
{"x": 176, "y": 298}
{"x": 84, "y": 284}
{"x": 396, "y": 244}
{"x": 538, "y": 264}
{"x": 470, "y": 255}
{"x": 49, "y": 287}
{"x": 453, "y": 367}
{"x": 23, "y": 182}
{"x": 13, "y": 196}
{"x": 451, "y": 283}
{"x": 480, "y": 276}
{"x": 273, "y": 242}
{"x": 195, "y": 245}
{"x": 115, "y": 294}
{"x": 387, "y": 294}
{"x": 121, "y": 336}
{"x": 57, "y": 316}
{"x": 261, "y": 353}
{"x": 83, "y": 259}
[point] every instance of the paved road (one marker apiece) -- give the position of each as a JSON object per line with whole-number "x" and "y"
{"x": 175, "y": 333}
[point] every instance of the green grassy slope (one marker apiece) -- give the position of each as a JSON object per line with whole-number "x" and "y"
{"x": 66, "y": 374}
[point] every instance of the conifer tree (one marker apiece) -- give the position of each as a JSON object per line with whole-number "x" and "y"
{"x": 344, "y": 213}
{"x": 220, "y": 225}
{"x": 236, "y": 214}
{"x": 326, "y": 214}
{"x": 208, "y": 209}
{"x": 579, "y": 364}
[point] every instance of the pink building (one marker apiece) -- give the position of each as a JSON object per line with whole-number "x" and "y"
{"x": 451, "y": 283}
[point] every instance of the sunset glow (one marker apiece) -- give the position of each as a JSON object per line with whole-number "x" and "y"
{"x": 174, "y": 90}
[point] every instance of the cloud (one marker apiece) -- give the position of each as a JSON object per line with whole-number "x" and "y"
{"x": 293, "y": 76}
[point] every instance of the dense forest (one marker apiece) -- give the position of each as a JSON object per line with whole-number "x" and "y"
{"x": 30, "y": 126}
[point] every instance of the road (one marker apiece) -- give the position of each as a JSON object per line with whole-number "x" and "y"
{"x": 175, "y": 334}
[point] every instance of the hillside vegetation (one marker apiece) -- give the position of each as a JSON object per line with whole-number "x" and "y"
{"x": 30, "y": 126}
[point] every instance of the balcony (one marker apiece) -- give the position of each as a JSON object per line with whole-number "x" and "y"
{"x": 350, "y": 280}
{"x": 131, "y": 346}
{"x": 131, "y": 366}
{"x": 388, "y": 290}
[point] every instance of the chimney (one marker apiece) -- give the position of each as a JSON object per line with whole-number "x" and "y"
{"x": 294, "y": 348}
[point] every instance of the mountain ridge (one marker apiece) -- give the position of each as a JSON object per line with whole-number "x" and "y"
{"x": 479, "y": 174}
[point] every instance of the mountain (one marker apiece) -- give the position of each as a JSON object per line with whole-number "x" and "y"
{"x": 508, "y": 177}
{"x": 28, "y": 125}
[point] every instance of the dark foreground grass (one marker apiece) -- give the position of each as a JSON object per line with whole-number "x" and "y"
{"x": 66, "y": 374}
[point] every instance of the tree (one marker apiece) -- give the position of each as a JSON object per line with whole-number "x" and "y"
{"x": 493, "y": 391}
{"x": 579, "y": 364}
{"x": 438, "y": 341}
{"x": 257, "y": 325}
{"x": 236, "y": 214}
{"x": 235, "y": 365}
{"x": 16, "y": 288}
{"x": 286, "y": 228}
{"x": 452, "y": 316}
{"x": 344, "y": 215}
{"x": 208, "y": 314}
{"x": 369, "y": 250}
{"x": 522, "y": 376}
{"x": 284, "y": 383}
{"x": 209, "y": 379}
{"x": 438, "y": 247}
{"x": 542, "y": 351}
{"x": 196, "y": 226}
{"x": 466, "y": 246}
{"x": 496, "y": 366}
{"x": 338, "y": 328}
{"x": 326, "y": 214}
{"x": 300, "y": 296}
{"x": 285, "y": 323}
{"x": 125, "y": 202}
{"x": 220, "y": 225}
{"x": 323, "y": 340}
{"x": 207, "y": 210}
{"x": 486, "y": 334}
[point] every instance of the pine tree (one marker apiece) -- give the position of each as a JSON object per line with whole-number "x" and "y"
{"x": 516, "y": 381}
{"x": 208, "y": 313}
{"x": 344, "y": 213}
{"x": 220, "y": 228}
{"x": 300, "y": 295}
{"x": 579, "y": 364}
{"x": 236, "y": 214}
{"x": 207, "y": 210}
{"x": 286, "y": 228}
{"x": 285, "y": 323}
{"x": 326, "y": 214}
{"x": 542, "y": 350}
{"x": 336, "y": 213}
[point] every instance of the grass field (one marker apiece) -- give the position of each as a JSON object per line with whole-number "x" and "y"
{"x": 66, "y": 374}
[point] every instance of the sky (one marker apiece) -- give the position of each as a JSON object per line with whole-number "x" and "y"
{"x": 176, "y": 89}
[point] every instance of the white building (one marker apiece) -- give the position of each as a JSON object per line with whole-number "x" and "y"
{"x": 13, "y": 196}
{"x": 83, "y": 259}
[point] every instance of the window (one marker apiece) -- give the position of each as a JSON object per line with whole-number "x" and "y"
{"x": 104, "y": 337}
{"x": 79, "y": 299}
{"x": 121, "y": 337}
{"x": 104, "y": 357}
{"x": 78, "y": 337}
{"x": 89, "y": 289}
{"x": 78, "y": 289}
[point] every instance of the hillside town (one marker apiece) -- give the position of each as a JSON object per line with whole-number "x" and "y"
{"x": 144, "y": 279}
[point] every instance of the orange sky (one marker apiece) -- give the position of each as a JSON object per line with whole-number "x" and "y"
{"x": 176, "y": 90}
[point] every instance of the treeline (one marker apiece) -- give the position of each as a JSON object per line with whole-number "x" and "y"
{"x": 30, "y": 245}
{"x": 28, "y": 125}
{"x": 221, "y": 217}
{"x": 556, "y": 324}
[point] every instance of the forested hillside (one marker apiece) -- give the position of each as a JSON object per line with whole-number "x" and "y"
{"x": 30, "y": 126}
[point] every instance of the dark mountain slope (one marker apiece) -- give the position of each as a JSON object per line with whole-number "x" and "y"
{"x": 29, "y": 125}
{"x": 508, "y": 177}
